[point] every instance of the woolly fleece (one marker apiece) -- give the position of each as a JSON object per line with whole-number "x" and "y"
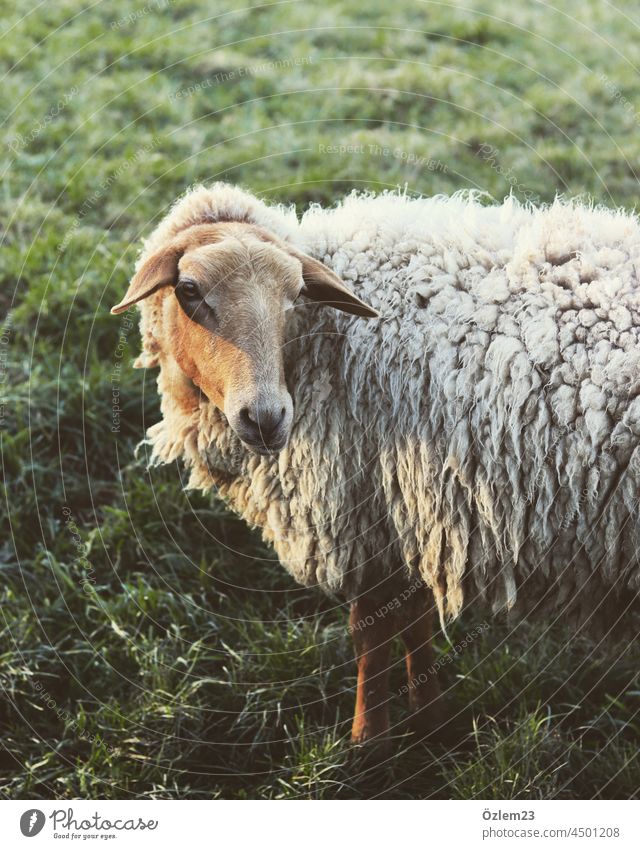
{"x": 483, "y": 433}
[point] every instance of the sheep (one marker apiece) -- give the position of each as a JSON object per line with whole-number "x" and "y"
{"x": 420, "y": 401}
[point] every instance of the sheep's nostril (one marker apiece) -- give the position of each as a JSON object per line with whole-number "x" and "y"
{"x": 261, "y": 423}
{"x": 268, "y": 423}
{"x": 262, "y": 426}
{"x": 245, "y": 417}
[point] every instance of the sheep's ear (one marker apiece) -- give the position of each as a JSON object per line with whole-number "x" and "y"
{"x": 159, "y": 270}
{"x": 322, "y": 285}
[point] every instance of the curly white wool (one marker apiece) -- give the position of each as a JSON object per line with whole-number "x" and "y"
{"x": 483, "y": 433}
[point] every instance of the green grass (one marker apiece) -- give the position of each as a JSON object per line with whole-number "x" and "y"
{"x": 162, "y": 651}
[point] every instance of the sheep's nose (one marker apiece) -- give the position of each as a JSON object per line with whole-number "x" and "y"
{"x": 261, "y": 423}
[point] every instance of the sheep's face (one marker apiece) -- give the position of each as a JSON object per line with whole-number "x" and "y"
{"x": 224, "y": 323}
{"x": 228, "y": 334}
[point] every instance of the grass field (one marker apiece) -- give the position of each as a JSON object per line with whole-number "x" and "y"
{"x": 149, "y": 644}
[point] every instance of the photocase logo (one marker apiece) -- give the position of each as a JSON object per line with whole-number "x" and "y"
{"x": 32, "y": 822}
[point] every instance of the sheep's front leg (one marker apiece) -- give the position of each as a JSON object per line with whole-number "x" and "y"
{"x": 372, "y": 639}
{"x": 422, "y": 680}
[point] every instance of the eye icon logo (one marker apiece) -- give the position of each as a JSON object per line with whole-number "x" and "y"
{"x": 32, "y": 822}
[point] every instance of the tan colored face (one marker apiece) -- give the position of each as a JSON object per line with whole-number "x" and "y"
{"x": 224, "y": 322}
{"x": 231, "y": 300}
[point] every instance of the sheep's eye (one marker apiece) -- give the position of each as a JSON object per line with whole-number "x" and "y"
{"x": 189, "y": 289}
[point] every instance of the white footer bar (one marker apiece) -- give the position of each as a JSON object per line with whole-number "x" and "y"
{"x": 319, "y": 825}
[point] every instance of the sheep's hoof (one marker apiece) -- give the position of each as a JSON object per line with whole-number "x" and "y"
{"x": 372, "y": 752}
{"x": 426, "y": 721}
{"x": 370, "y": 745}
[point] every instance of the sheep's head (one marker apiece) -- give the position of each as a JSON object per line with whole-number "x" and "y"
{"x": 224, "y": 324}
